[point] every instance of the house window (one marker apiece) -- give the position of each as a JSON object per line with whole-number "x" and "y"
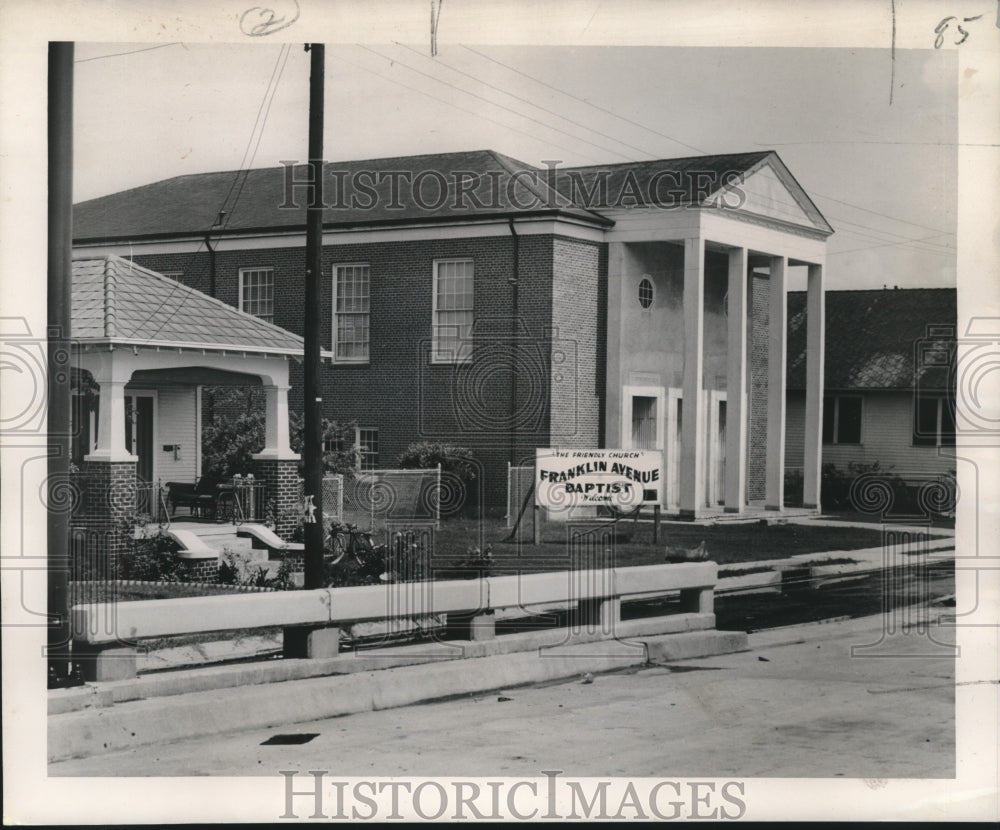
{"x": 645, "y": 292}
{"x": 173, "y": 275}
{"x": 257, "y": 292}
{"x": 933, "y": 421}
{"x": 643, "y": 423}
{"x": 841, "y": 419}
{"x": 452, "y": 311}
{"x": 367, "y": 443}
{"x": 351, "y": 314}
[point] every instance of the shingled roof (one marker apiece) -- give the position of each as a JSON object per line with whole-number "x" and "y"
{"x": 404, "y": 190}
{"x": 467, "y": 186}
{"x": 117, "y": 301}
{"x": 889, "y": 339}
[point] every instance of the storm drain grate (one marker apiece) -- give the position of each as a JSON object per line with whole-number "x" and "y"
{"x": 290, "y": 740}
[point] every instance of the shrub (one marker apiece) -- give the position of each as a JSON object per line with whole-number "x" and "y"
{"x": 837, "y": 486}
{"x": 458, "y": 469}
{"x": 228, "y": 444}
{"x": 794, "y": 483}
{"x": 238, "y": 569}
{"x": 153, "y": 557}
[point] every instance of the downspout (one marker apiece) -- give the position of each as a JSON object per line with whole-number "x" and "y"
{"x": 211, "y": 265}
{"x": 513, "y": 279}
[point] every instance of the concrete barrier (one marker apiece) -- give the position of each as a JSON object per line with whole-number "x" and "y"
{"x": 105, "y": 635}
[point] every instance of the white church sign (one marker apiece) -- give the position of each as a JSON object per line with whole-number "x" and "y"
{"x": 624, "y": 479}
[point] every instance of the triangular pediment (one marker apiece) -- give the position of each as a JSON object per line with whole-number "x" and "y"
{"x": 770, "y": 192}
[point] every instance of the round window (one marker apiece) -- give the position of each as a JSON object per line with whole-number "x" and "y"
{"x": 645, "y": 292}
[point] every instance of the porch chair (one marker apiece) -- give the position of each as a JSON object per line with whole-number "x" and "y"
{"x": 201, "y": 498}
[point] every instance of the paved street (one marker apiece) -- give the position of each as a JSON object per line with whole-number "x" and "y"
{"x": 796, "y": 705}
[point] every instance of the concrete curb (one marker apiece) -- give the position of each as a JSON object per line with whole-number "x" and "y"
{"x": 209, "y": 678}
{"x": 144, "y": 722}
{"x": 866, "y": 560}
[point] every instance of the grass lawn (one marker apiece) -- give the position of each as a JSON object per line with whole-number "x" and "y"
{"x": 727, "y": 543}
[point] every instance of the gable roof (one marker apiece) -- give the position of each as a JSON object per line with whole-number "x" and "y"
{"x": 734, "y": 181}
{"x": 889, "y": 339}
{"x": 440, "y": 187}
{"x": 117, "y": 301}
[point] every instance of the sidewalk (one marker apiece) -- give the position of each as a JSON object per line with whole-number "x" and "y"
{"x": 798, "y": 704}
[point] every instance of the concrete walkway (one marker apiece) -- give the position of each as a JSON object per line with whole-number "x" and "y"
{"x": 797, "y": 705}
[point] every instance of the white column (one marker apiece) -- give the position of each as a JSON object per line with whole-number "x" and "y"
{"x": 111, "y": 424}
{"x": 736, "y": 384}
{"x": 692, "y": 495}
{"x": 276, "y": 425}
{"x": 777, "y": 332}
{"x": 815, "y": 363}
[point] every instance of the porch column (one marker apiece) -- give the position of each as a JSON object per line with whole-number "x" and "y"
{"x": 692, "y": 483}
{"x": 107, "y": 482}
{"x": 736, "y": 384}
{"x": 111, "y": 423}
{"x": 276, "y": 465}
{"x": 276, "y": 424}
{"x": 777, "y": 325}
{"x": 815, "y": 334}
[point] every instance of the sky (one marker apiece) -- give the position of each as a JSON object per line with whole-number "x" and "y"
{"x": 883, "y": 173}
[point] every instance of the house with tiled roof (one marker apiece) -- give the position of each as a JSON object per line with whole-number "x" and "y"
{"x": 475, "y": 299}
{"x": 146, "y": 346}
{"x": 888, "y": 380}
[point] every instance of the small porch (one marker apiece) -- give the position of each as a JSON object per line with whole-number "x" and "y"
{"x": 145, "y": 348}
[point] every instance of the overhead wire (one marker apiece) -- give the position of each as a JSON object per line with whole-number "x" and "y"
{"x": 439, "y": 62}
{"x": 260, "y": 121}
{"x": 492, "y": 103}
{"x": 451, "y": 104}
{"x": 677, "y": 140}
{"x": 131, "y": 52}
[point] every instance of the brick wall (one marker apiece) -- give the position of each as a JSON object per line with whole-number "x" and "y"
{"x": 757, "y": 437}
{"x": 399, "y": 392}
{"x": 579, "y": 295}
{"x": 281, "y": 484}
{"x": 107, "y": 503}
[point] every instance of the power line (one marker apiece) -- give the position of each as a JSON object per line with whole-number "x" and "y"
{"x": 451, "y": 104}
{"x": 883, "y": 215}
{"x": 132, "y": 52}
{"x": 493, "y": 103}
{"x": 588, "y": 103}
{"x": 261, "y": 119}
{"x": 260, "y": 134}
{"x": 529, "y": 103}
{"x": 888, "y": 245}
{"x": 678, "y": 141}
{"x": 283, "y": 52}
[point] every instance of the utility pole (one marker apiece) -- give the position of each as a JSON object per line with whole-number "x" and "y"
{"x": 60, "y": 287}
{"x": 312, "y": 444}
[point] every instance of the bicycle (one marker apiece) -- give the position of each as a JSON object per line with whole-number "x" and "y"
{"x": 347, "y": 539}
{"x": 375, "y": 563}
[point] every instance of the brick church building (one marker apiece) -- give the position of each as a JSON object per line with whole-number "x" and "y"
{"x": 472, "y": 298}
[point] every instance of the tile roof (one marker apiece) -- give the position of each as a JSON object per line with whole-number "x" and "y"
{"x": 878, "y": 339}
{"x": 470, "y": 185}
{"x": 115, "y": 300}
